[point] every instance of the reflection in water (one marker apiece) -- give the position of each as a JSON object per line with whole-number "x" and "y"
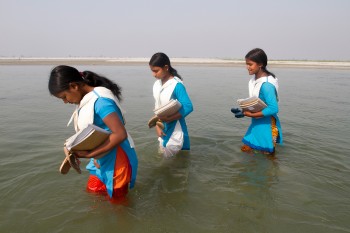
{"x": 258, "y": 171}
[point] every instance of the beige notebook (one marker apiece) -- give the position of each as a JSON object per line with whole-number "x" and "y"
{"x": 87, "y": 139}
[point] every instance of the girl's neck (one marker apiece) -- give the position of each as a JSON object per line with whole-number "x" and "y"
{"x": 260, "y": 74}
{"x": 86, "y": 89}
{"x": 166, "y": 79}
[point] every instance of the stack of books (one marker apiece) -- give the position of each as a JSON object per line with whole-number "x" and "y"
{"x": 168, "y": 109}
{"x": 85, "y": 140}
{"x": 251, "y": 104}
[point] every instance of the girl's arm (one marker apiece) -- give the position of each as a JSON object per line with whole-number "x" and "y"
{"x": 175, "y": 116}
{"x": 268, "y": 92}
{"x": 181, "y": 95}
{"x": 118, "y": 135}
{"x": 107, "y": 111}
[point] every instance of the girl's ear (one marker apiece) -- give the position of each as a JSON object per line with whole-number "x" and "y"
{"x": 166, "y": 67}
{"x": 74, "y": 86}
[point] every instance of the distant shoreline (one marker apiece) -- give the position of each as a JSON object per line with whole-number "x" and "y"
{"x": 180, "y": 61}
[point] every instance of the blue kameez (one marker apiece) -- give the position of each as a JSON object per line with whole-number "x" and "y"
{"x": 103, "y": 107}
{"x": 259, "y": 133}
{"x": 181, "y": 95}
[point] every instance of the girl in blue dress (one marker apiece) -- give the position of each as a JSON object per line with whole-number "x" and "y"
{"x": 265, "y": 129}
{"x": 113, "y": 165}
{"x": 174, "y": 136}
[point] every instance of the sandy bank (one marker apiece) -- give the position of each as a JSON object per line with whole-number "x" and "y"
{"x": 181, "y": 61}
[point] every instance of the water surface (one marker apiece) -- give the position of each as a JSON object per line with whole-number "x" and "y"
{"x": 213, "y": 188}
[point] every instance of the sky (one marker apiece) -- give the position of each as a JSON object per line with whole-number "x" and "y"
{"x": 285, "y": 29}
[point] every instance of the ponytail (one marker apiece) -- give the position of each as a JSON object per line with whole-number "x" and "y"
{"x": 173, "y": 72}
{"x": 95, "y": 80}
{"x": 268, "y": 72}
{"x": 61, "y": 76}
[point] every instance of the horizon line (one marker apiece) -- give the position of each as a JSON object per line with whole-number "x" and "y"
{"x": 177, "y": 60}
{"x": 147, "y": 58}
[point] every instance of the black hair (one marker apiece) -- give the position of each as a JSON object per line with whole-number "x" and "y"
{"x": 61, "y": 76}
{"x": 161, "y": 60}
{"x": 259, "y": 56}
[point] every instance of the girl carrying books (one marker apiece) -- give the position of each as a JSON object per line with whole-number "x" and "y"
{"x": 174, "y": 136}
{"x": 265, "y": 128}
{"x": 113, "y": 164}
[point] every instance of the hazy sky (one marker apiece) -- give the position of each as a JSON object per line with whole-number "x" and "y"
{"x": 285, "y": 29}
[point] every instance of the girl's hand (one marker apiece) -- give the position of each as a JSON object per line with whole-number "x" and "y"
{"x": 165, "y": 119}
{"x": 247, "y": 113}
{"x": 81, "y": 153}
{"x": 159, "y": 131}
{"x": 97, "y": 165}
{"x": 175, "y": 116}
{"x": 253, "y": 114}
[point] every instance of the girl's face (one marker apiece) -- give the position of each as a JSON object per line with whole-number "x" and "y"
{"x": 160, "y": 72}
{"x": 252, "y": 66}
{"x": 73, "y": 95}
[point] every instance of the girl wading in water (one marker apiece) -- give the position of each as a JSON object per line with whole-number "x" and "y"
{"x": 97, "y": 99}
{"x": 265, "y": 128}
{"x": 174, "y": 137}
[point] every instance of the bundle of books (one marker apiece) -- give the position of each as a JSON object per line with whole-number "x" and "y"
{"x": 168, "y": 109}
{"x": 251, "y": 104}
{"x": 87, "y": 139}
{"x": 84, "y": 140}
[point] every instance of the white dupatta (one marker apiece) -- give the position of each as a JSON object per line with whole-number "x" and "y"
{"x": 84, "y": 112}
{"x": 254, "y": 85}
{"x": 163, "y": 93}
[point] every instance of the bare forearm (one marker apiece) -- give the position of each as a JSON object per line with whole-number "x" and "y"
{"x": 171, "y": 118}
{"x": 117, "y": 136}
{"x": 108, "y": 145}
{"x": 253, "y": 114}
{"x": 112, "y": 142}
